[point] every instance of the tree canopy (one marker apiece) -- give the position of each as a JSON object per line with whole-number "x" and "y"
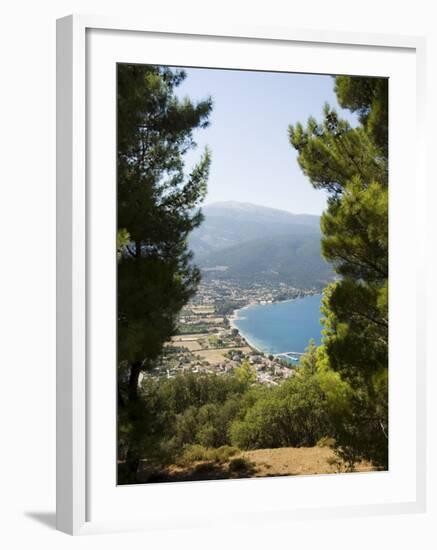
{"x": 339, "y": 391}
{"x": 351, "y": 164}
{"x": 158, "y": 206}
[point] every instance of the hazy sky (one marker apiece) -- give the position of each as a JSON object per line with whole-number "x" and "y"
{"x": 252, "y": 160}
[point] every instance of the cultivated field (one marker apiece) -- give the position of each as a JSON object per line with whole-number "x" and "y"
{"x": 218, "y": 355}
{"x": 189, "y": 341}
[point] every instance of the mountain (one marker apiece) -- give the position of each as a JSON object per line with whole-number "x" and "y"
{"x": 230, "y": 223}
{"x": 255, "y": 244}
{"x": 246, "y": 211}
{"x": 292, "y": 259}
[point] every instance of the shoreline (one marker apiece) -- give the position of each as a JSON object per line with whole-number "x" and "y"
{"x": 234, "y": 317}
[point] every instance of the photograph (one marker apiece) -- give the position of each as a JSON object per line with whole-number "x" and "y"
{"x": 226, "y": 297}
{"x": 252, "y": 258}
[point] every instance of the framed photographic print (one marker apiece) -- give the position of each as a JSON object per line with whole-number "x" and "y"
{"x": 240, "y": 317}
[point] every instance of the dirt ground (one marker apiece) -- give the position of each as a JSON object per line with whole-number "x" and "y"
{"x": 288, "y": 461}
{"x": 298, "y": 461}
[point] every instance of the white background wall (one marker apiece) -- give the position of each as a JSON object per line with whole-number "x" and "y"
{"x": 27, "y": 314}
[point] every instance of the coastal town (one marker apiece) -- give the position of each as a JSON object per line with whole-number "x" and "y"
{"x": 222, "y": 292}
{"x": 209, "y": 342}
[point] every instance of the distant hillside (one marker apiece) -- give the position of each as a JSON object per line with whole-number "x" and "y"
{"x": 255, "y": 244}
{"x": 246, "y": 211}
{"x": 230, "y": 223}
{"x": 292, "y": 259}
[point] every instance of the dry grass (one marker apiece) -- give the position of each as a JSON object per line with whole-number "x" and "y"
{"x": 194, "y": 336}
{"x": 190, "y": 346}
{"x": 214, "y": 356}
{"x": 188, "y": 341}
{"x": 298, "y": 461}
{"x": 288, "y": 461}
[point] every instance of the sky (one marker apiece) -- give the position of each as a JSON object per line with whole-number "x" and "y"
{"x": 252, "y": 159}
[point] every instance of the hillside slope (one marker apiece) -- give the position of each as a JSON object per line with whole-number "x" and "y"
{"x": 230, "y": 223}
{"x": 292, "y": 259}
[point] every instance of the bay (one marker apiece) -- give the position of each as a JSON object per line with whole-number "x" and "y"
{"x": 281, "y": 327}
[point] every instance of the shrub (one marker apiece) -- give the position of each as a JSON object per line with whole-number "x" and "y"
{"x": 326, "y": 442}
{"x": 207, "y": 435}
{"x": 245, "y": 374}
{"x": 261, "y": 426}
{"x": 241, "y": 467}
{"x": 223, "y": 453}
{"x": 294, "y": 414}
{"x": 199, "y": 453}
{"x": 193, "y": 453}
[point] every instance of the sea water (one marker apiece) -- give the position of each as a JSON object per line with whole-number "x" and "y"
{"x": 281, "y": 327}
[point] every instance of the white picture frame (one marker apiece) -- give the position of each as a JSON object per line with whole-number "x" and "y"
{"x": 75, "y": 390}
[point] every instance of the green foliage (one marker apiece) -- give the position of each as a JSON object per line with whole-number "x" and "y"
{"x": 157, "y": 206}
{"x": 298, "y": 412}
{"x": 351, "y": 164}
{"x": 213, "y": 341}
{"x": 197, "y": 453}
{"x": 170, "y": 415}
{"x": 224, "y": 308}
{"x": 260, "y": 245}
{"x": 193, "y": 418}
{"x": 338, "y": 394}
{"x": 355, "y": 232}
{"x": 291, "y": 258}
{"x": 187, "y": 390}
{"x": 123, "y": 239}
{"x": 333, "y": 153}
{"x": 369, "y": 98}
{"x": 265, "y": 425}
{"x": 294, "y": 417}
{"x": 245, "y": 374}
{"x": 193, "y": 328}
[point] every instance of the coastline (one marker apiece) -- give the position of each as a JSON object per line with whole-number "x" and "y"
{"x": 234, "y": 317}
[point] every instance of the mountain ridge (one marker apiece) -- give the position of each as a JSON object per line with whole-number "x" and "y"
{"x": 256, "y": 244}
{"x": 251, "y": 208}
{"x": 230, "y": 222}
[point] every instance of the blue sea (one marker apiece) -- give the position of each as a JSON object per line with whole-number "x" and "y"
{"x": 281, "y": 327}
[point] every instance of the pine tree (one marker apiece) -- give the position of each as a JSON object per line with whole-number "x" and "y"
{"x": 351, "y": 164}
{"x": 157, "y": 207}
